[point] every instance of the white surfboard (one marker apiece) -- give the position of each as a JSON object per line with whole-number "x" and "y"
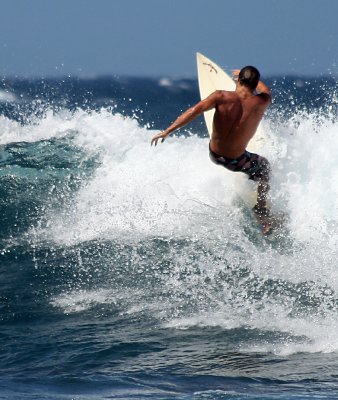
{"x": 211, "y": 77}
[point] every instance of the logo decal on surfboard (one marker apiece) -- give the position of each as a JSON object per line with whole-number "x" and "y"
{"x": 212, "y": 68}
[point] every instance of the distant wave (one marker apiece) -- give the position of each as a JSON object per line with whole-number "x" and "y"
{"x": 175, "y": 84}
{"x": 6, "y": 96}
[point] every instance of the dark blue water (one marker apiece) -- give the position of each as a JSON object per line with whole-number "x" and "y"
{"x": 128, "y": 272}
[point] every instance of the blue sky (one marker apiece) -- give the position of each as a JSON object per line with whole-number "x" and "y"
{"x": 160, "y": 37}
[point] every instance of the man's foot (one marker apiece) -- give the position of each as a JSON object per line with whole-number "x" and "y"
{"x": 263, "y": 216}
{"x": 266, "y": 228}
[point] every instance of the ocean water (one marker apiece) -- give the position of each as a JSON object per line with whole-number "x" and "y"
{"x": 134, "y": 272}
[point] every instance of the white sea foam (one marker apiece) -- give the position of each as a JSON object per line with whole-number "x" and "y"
{"x": 52, "y": 125}
{"x": 139, "y": 189}
{"x": 174, "y": 191}
{"x": 82, "y": 300}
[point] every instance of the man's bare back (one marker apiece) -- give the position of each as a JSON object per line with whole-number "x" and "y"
{"x": 235, "y": 122}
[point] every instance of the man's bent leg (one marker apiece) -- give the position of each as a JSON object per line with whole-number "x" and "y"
{"x": 260, "y": 172}
{"x": 262, "y": 193}
{"x": 261, "y": 211}
{"x": 262, "y": 176}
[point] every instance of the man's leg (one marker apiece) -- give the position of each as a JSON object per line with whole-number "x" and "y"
{"x": 262, "y": 193}
{"x": 262, "y": 212}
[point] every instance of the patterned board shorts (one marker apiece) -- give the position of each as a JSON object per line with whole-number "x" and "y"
{"x": 256, "y": 167}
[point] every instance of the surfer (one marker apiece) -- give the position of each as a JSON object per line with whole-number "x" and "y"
{"x": 237, "y": 116}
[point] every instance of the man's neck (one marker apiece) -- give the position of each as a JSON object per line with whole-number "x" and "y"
{"x": 243, "y": 92}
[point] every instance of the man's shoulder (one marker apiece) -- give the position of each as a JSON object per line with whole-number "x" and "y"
{"x": 226, "y": 95}
{"x": 264, "y": 98}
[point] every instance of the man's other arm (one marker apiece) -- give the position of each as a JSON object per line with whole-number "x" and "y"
{"x": 264, "y": 92}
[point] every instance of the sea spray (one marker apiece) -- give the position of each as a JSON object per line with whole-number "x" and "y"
{"x": 127, "y": 267}
{"x": 208, "y": 261}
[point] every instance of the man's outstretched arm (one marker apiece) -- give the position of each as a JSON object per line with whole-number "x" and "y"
{"x": 187, "y": 116}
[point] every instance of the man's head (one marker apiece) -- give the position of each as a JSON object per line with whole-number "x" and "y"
{"x": 249, "y": 76}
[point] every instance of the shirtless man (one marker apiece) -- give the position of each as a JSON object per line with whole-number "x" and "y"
{"x": 237, "y": 116}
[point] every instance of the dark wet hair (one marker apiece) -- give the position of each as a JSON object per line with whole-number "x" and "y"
{"x": 249, "y": 76}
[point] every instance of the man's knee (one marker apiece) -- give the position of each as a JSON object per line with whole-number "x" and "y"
{"x": 265, "y": 170}
{"x": 262, "y": 171}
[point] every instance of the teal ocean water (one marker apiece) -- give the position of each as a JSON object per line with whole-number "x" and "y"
{"x": 133, "y": 272}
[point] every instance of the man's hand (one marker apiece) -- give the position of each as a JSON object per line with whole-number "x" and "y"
{"x": 161, "y": 135}
{"x": 235, "y": 74}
